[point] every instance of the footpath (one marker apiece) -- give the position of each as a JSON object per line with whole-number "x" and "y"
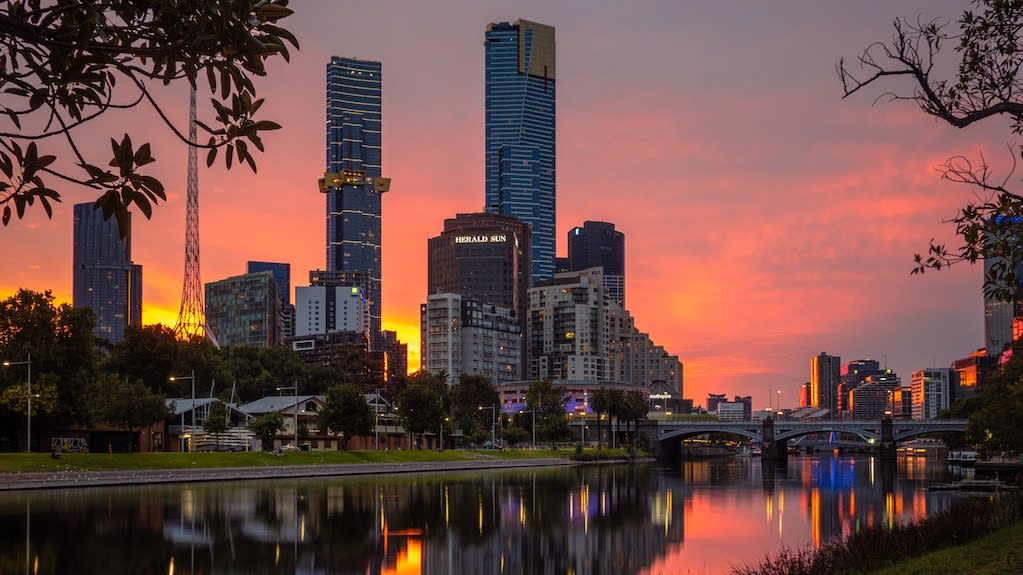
{"x": 72, "y": 479}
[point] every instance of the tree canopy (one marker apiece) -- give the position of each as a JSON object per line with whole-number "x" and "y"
{"x": 65, "y": 64}
{"x": 986, "y": 85}
{"x": 345, "y": 411}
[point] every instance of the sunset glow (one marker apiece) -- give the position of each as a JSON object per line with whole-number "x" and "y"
{"x": 766, "y": 219}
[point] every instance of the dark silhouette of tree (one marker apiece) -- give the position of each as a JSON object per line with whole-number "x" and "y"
{"x": 600, "y": 403}
{"x": 266, "y": 427}
{"x": 64, "y": 64}
{"x": 467, "y": 396}
{"x": 548, "y": 401}
{"x": 420, "y": 409}
{"x": 986, "y": 86}
{"x": 345, "y": 411}
{"x": 127, "y": 405}
{"x": 146, "y": 353}
{"x": 216, "y": 422}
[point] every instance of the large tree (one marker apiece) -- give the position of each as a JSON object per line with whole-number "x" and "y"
{"x": 548, "y": 401}
{"x": 986, "y": 85}
{"x": 420, "y": 408}
{"x": 266, "y": 427}
{"x": 129, "y": 406}
{"x": 471, "y": 392}
{"x": 65, "y": 64}
{"x": 345, "y": 411}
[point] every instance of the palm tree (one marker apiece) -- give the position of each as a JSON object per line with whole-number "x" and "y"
{"x": 600, "y": 402}
{"x": 616, "y": 408}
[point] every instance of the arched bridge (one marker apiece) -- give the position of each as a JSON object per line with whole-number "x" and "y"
{"x": 775, "y": 434}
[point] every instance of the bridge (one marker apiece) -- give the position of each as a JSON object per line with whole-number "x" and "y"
{"x": 775, "y": 434}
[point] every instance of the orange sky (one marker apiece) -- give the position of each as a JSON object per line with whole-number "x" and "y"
{"x": 766, "y": 219}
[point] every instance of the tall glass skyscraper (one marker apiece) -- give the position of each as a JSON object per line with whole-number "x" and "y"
{"x": 353, "y": 182}
{"x": 598, "y": 244}
{"x": 519, "y": 112}
{"x": 104, "y": 278}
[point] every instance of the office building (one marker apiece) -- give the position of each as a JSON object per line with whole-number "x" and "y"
{"x": 1003, "y": 318}
{"x": 103, "y": 275}
{"x": 971, "y": 373}
{"x": 392, "y": 355}
{"x": 825, "y": 373}
{"x": 484, "y": 257}
{"x": 245, "y": 310}
{"x": 634, "y": 358}
{"x": 353, "y": 181}
{"x": 931, "y": 391}
{"x": 282, "y": 275}
{"x": 327, "y": 308}
{"x": 598, "y": 244}
{"x": 463, "y": 336}
{"x": 520, "y": 129}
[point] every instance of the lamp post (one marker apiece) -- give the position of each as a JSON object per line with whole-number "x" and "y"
{"x": 191, "y": 377}
{"x": 376, "y": 420}
{"x": 295, "y": 388}
{"x": 28, "y": 428}
{"x": 532, "y": 412}
{"x": 493, "y": 424}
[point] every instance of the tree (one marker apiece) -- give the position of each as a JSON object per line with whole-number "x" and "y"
{"x": 216, "y": 421}
{"x": 65, "y": 64}
{"x": 514, "y": 435}
{"x": 128, "y": 406}
{"x": 266, "y": 427}
{"x": 353, "y": 364}
{"x": 420, "y": 409}
{"x": 548, "y": 401}
{"x": 634, "y": 409}
{"x": 987, "y": 85}
{"x": 617, "y": 408}
{"x": 147, "y": 353}
{"x": 600, "y": 403}
{"x": 61, "y": 343}
{"x": 467, "y": 396}
{"x": 345, "y": 411}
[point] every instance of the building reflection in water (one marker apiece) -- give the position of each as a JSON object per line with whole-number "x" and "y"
{"x": 606, "y": 519}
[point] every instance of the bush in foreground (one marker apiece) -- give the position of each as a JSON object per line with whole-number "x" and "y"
{"x": 877, "y": 547}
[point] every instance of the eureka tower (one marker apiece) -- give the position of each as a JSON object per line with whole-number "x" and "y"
{"x": 519, "y": 110}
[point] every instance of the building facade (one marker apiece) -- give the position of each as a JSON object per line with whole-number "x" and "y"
{"x": 825, "y": 371}
{"x": 520, "y": 132}
{"x": 931, "y": 391}
{"x": 328, "y": 308}
{"x": 598, "y": 244}
{"x": 103, "y": 275}
{"x": 464, "y": 336}
{"x": 566, "y": 335}
{"x": 353, "y": 181}
{"x": 245, "y": 310}
{"x": 282, "y": 275}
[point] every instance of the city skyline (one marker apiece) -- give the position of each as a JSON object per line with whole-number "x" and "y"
{"x": 768, "y": 219}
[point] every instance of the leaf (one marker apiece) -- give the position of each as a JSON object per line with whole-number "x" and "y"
{"x": 211, "y": 157}
{"x": 230, "y": 155}
{"x": 7, "y": 214}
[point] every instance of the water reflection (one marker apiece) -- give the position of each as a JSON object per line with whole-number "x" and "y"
{"x": 622, "y": 519}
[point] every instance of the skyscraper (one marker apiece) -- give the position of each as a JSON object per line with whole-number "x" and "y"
{"x": 598, "y": 244}
{"x": 519, "y": 110}
{"x": 825, "y": 373}
{"x": 282, "y": 275}
{"x": 104, "y": 278}
{"x": 245, "y": 310}
{"x": 352, "y": 180}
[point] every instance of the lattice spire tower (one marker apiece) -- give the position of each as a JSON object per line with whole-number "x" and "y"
{"x": 192, "y": 315}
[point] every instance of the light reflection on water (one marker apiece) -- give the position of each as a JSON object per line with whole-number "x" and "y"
{"x": 700, "y": 518}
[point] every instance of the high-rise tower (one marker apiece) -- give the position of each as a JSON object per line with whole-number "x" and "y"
{"x": 353, "y": 182}
{"x": 598, "y": 244}
{"x": 104, "y": 278}
{"x": 519, "y": 109}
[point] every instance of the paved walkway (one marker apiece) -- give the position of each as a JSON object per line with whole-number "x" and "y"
{"x": 66, "y": 479}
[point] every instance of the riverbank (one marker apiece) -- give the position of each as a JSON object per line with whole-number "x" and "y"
{"x": 39, "y": 471}
{"x": 997, "y": 553}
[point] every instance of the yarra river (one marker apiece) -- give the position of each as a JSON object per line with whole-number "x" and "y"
{"x": 701, "y": 518}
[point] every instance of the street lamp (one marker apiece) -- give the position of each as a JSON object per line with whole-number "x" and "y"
{"x": 192, "y": 426}
{"x": 493, "y": 424}
{"x": 28, "y": 428}
{"x": 295, "y": 388}
{"x": 532, "y": 412}
{"x": 376, "y": 421}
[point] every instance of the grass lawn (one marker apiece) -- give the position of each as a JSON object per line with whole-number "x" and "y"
{"x": 1000, "y": 553}
{"x": 42, "y": 462}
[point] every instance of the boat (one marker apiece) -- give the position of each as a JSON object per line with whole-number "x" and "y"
{"x": 962, "y": 457}
{"x": 974, "y": 485}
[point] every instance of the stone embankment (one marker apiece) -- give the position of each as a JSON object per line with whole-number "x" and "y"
{"x": 71, "y": 479}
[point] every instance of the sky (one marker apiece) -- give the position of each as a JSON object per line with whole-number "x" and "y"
{"x": 766, "y": 219}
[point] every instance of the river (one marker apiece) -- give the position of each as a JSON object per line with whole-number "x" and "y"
{"x": 700, "y": 518}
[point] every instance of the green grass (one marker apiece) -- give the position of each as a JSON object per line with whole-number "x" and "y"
{"x": 42, "y": 462}
{"x": 998, "y": 553}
